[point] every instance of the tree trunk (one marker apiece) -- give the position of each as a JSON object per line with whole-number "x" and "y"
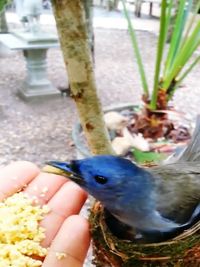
{"x": 88, "y": 6}
{"x": 112, "y": 4}
{"x": 3, "y": 22}
{"x": 72, "y": 29}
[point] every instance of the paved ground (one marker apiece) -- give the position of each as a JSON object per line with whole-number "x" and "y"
{"x": 41, "y": 130}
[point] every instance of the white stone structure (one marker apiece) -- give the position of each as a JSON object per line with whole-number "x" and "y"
{"x": 29, "y": 12}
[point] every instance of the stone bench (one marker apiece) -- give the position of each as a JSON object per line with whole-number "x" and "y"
{"x": 34, "y": 50}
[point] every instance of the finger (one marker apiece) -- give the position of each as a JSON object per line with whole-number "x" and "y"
{"x": 15, "y": 177}
{"x": 73, "y": 240}
{"x": 67, "y": 201}
{"x": 44, "y": 186}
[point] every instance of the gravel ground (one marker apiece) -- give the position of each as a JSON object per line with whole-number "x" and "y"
{"x": 41, "y": 130}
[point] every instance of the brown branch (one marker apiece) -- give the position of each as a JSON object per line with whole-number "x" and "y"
{"x": 71, "y": 25}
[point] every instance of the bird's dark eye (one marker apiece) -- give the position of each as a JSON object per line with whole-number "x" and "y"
{"x": 100, "y": 179}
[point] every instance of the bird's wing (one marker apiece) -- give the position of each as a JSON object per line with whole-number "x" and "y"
{"x": 192, "y": 151}
{"x": 178, "y": 183}
{"x": 177, "y": 189}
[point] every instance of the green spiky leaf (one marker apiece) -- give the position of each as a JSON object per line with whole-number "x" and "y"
{"x": 147, "y": 157}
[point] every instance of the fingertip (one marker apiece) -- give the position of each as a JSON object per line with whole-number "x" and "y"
{"x": 73, "y": 240}
{"x": 15, "y": 176}
{"x": 24, "y": 165}
{"x": 67, "y": 201}
{"x": 75, "y": 187}
{"x": 78, "y": 231}
{"x": 79, "y": 223}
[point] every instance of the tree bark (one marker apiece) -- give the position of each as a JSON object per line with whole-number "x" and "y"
{"x": 3, "y": 22}
{"x": 72, "y": 30}
{"x": 88, "y": 6}
{"x": 112, "y": 4}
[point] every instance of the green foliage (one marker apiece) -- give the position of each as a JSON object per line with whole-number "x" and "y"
{"x": 3, "y": 4}
{"x": 136, "y": 50}
{"x": 180, "y": 59}
{"x": 147, "y": 157}
{"x": 164, "y": 24}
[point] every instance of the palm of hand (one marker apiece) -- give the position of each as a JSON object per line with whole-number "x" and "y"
{"x": 65, "y": 231}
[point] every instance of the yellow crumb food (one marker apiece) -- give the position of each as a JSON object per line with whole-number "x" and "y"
{"x": 60, "y": 255}
{"x": 20, "y": 232}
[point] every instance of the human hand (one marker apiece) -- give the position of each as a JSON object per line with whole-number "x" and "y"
{"x": 65, "y": 231}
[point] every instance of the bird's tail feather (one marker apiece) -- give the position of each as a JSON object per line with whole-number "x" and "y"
{"x": 192, "y": 151}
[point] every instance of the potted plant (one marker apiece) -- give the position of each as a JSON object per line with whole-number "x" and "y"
{"x": 153, "y": 118}
{"x": 170, "y": 71}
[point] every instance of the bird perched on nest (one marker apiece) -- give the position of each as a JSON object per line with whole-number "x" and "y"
{"x": 156, "y": 202}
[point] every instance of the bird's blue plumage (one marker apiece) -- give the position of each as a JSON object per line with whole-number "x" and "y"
{"x": 125, "y": 189}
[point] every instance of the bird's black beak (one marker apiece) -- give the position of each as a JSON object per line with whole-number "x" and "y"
{"x": 65, "y": 169}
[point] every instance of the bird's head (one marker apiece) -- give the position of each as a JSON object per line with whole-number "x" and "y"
{"x": 106, "y": 177}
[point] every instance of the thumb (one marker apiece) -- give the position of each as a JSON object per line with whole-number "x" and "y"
{"x": 71, "y": 244}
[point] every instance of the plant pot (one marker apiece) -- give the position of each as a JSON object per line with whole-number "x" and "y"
{"x": 79, "y": 141}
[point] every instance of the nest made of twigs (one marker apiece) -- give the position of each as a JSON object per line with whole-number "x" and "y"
{"x": 110, "y": 251}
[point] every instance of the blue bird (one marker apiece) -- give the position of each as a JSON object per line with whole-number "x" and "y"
{"x": 161, "y": 199}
